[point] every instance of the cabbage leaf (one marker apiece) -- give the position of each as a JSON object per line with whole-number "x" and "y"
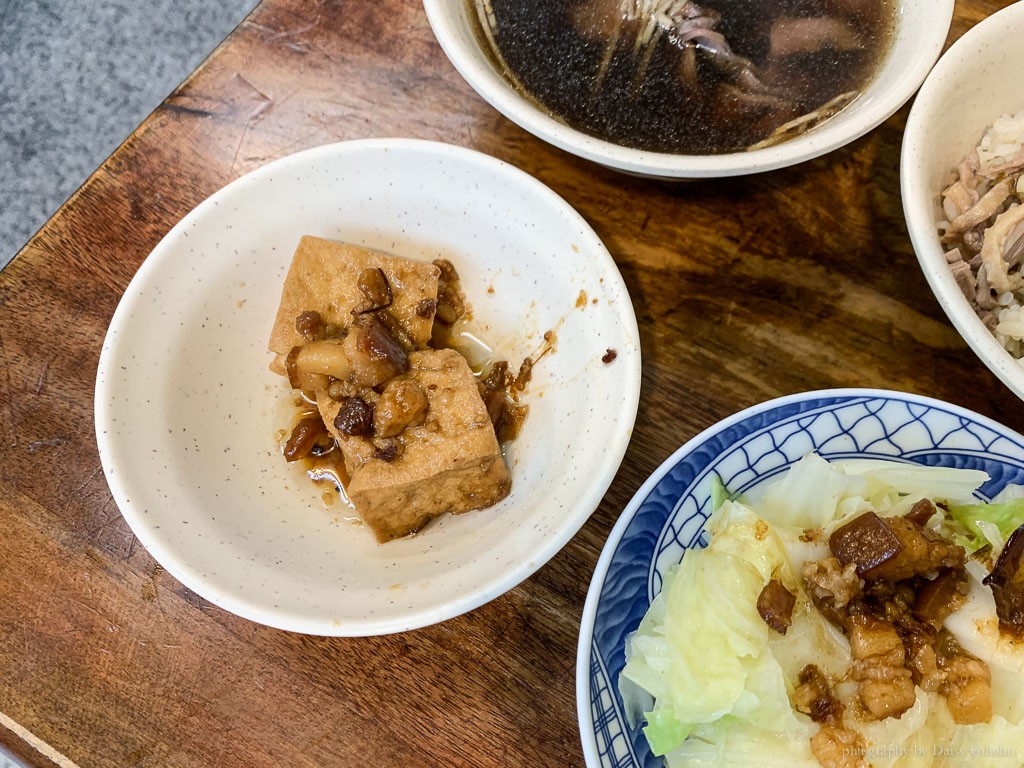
{"x": 1006, "y": 517}
{"x": 702, "y": 651}
{"x": 814, "y": 493}
{"x": 713, "y": 682}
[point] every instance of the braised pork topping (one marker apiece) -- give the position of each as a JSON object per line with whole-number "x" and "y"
{"x": 966, "y": 682}
{"x": 451, "y": 301}
{"x": 355, "y": 418}
{"x": 365, "y": 366}
{"x": 403, "y": 403}
{"x": 500, "y": 391}
{"x": 836, "y": 747}
{"x": 892, "y": 548}
{"x": 310, "y": 325}
{"x": 890, "y": 584}
{"x": 813, "y": 696}
{"x": 376, "y": 353}
{"x": 832, "y": 586}
{"x": 309, "y": 437}
{"x": 937, "y": 598}
{"x": 885, "y": 686}
{"x": 775, "y": 605}
{"x": 1007, "y": 584}
{"x": 376, "y": 290}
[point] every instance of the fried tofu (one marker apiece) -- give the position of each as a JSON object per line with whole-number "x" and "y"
{"x": 417, "y": 443}
{"x": 324, "y": 276}
{"x": 451, "y": 463}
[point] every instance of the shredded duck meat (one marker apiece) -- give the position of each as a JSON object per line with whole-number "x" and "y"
{"x": 987, "y": 207}
{"x": 1003, "y": 232}
{"x": 983, "y": 203}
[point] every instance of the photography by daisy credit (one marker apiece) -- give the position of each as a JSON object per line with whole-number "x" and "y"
{"x": 960, "y": 754}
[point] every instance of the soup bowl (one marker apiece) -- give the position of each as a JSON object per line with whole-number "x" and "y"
{"x": 914, "y": 46}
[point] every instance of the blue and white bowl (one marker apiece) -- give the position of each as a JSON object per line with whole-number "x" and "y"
{"x": 667, "y": 515}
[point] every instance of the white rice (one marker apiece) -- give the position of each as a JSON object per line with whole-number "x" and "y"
{"x": 1009, "y": 331}
{"x": 1002, "y": 142}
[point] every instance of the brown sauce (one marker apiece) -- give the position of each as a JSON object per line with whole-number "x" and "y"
{"x": 677, "y": 94}
{"x": 327, "y": 468}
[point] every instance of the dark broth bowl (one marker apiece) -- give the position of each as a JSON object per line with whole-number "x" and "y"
{"x": 914, "y": 46}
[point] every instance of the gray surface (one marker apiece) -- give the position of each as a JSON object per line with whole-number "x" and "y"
{"x": 76, "y": 77}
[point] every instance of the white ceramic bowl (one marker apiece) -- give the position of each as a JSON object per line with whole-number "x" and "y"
{"x": 973, "y": 83}
{"x": 666, "y": 516}
{"x": 187, "y": 410}
{"x": 920, "y": 33}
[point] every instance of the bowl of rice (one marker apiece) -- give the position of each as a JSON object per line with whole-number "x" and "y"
{"x": 962, "y": 179}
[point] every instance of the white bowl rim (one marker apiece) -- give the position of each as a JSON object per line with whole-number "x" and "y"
{"x": 827, "y": 138}
{"x": 922, "y": 227}
{"x": 588, "y": 617}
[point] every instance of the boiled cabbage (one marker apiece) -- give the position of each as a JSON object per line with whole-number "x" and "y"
{"x": 988, "y": 524}
{"x": 713, "y": 682}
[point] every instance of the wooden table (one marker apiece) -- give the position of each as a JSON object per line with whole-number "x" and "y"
{"x": 744, "y": 289}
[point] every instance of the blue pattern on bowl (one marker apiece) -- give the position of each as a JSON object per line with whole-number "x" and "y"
{"x": 668, "y": 513}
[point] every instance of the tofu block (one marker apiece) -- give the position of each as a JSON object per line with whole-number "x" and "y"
{"x": 324, "y": 277}
{"x": 451, "y": 463}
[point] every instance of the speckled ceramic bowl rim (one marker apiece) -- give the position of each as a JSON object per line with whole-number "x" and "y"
{"x": 824, "y": 139}
{"x": 920, "y": 203}
{"x": 611, "y": 545}
{"x": 177, "y": 565}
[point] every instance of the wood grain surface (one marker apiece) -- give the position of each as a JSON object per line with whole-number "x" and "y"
{"x": 744, "y": 289}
